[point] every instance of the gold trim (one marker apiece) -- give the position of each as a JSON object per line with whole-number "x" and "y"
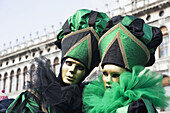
{"x": 41, "y": 104}
{"x": 80, "y": 31}
{"x": 112, "y": 41}
{"x": 130, "y": 35}
{"x": 137, "y": 41}
{"x": 108, "y": 32}
{"x": 75, "y": 45}
{"x": 122, "y": 50}
{"x": 89, "y": 51}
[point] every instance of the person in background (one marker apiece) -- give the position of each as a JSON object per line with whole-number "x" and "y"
{"x": 4, "y": 101}
{"x": 78, "y": 41}
{"x": 126, "y": 86}
{"x": 3, "y": 96}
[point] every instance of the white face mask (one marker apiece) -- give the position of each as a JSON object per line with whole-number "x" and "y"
{"x": 111, "y": 74}
{"x": 72, "y": 71}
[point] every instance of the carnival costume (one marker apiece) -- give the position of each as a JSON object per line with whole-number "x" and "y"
{"x": 77, "y": 39}
{"x": 131, "y": 44}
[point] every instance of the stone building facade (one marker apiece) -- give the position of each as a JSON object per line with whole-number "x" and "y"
{"x": 15, "y": 62}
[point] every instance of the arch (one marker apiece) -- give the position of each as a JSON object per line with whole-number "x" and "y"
{"x": 49, "y": 61}
{"x": 56, "y": 61}
{"x": 11, "y": 80}
{"x": 32, "y": 69}
{"x": 163, "y": 48}
{"x": 0, "y": 77}
{"x": 5, "y": 78}
{"x": 56, "y": 65}
{"x": 18, "y": 74}
{"x": 164, "y": 30}
{"x": 24, "y": 75}
{"x": 166, "y": 80}
{"x": 0, "y": 81}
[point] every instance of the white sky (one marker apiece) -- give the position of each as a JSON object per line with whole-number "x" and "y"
{"x": 19, "y": 18}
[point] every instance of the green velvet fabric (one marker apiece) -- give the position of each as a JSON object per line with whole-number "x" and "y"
{"x": 127, "y": 20}
{"x": 133, "y": 85}
{"x": 77, "y": 23}
{"x": 30, "y": 107}
{"x": 83, "y": 49}
{"x": 133, "y": 50}
{"x": 80, "y": 21}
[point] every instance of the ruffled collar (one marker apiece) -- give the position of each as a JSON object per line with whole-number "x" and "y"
{"x": 133, "y": 85}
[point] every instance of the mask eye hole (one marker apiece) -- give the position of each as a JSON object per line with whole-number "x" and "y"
{"x": 115, "y": 75}
{"x": 105, "y": 74}
{"x": 79, "y": 67}
{"x": 68, "y": 63}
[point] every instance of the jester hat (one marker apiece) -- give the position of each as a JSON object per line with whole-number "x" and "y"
{"x": 129, "y": 41}
{"x": 78, "y": 37}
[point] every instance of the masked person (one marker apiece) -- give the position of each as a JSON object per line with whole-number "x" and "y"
{"x": 78, "y": 41}
{"x": 126, "y": 86}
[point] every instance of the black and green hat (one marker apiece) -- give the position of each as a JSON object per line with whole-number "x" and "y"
{"x": 129, "y": 42}
{"x": 78, "y": 37}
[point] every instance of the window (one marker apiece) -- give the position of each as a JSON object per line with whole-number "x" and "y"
{"x": 148, "y": 17}
{"x": 19, "y": 58}
{"x": 48, "y": 61}
{"x": 24, "y": 74}
{"x": 33, "y": 54}
{"x": 13, "y": 60}
{"x": 18, "y": 80}
{"x": 41, "y": 53}
{"x": 48, "y": 49}
{"x": 11, "y": 81}
{"x": 5, "y": 78}
{"x": 0, "y": 81}
{"x": 32, "y": 69}
{"x": 161, "y": 13}
{"x": 163, "y": 49}
{"x": 26, "y": 56}
{"x": 56, "y": 66}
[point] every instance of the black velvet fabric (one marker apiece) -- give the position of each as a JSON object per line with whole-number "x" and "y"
{"x": 136, "y": 28}
{"x": 60, "y": 99}
{"x": 114, "y": 55}
{"x": 154, "y": 43}
{"x": 113, "y": 21}
{"x": 138, "y": 106}
{"x": 73, "y": 39}
{"x": 4, "y": 104}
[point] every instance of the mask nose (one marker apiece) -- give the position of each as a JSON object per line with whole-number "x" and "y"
{"x": 72, "y": 69}
{"x": 108, "y": 79}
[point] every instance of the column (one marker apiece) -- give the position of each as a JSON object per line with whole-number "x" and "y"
{"x": 7, "y": 84}
{"x": 21, "y": 82}
{"x": 14, "y": 83}
{"x": 1, "y": 84}
{"x": 27, "y": 79}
